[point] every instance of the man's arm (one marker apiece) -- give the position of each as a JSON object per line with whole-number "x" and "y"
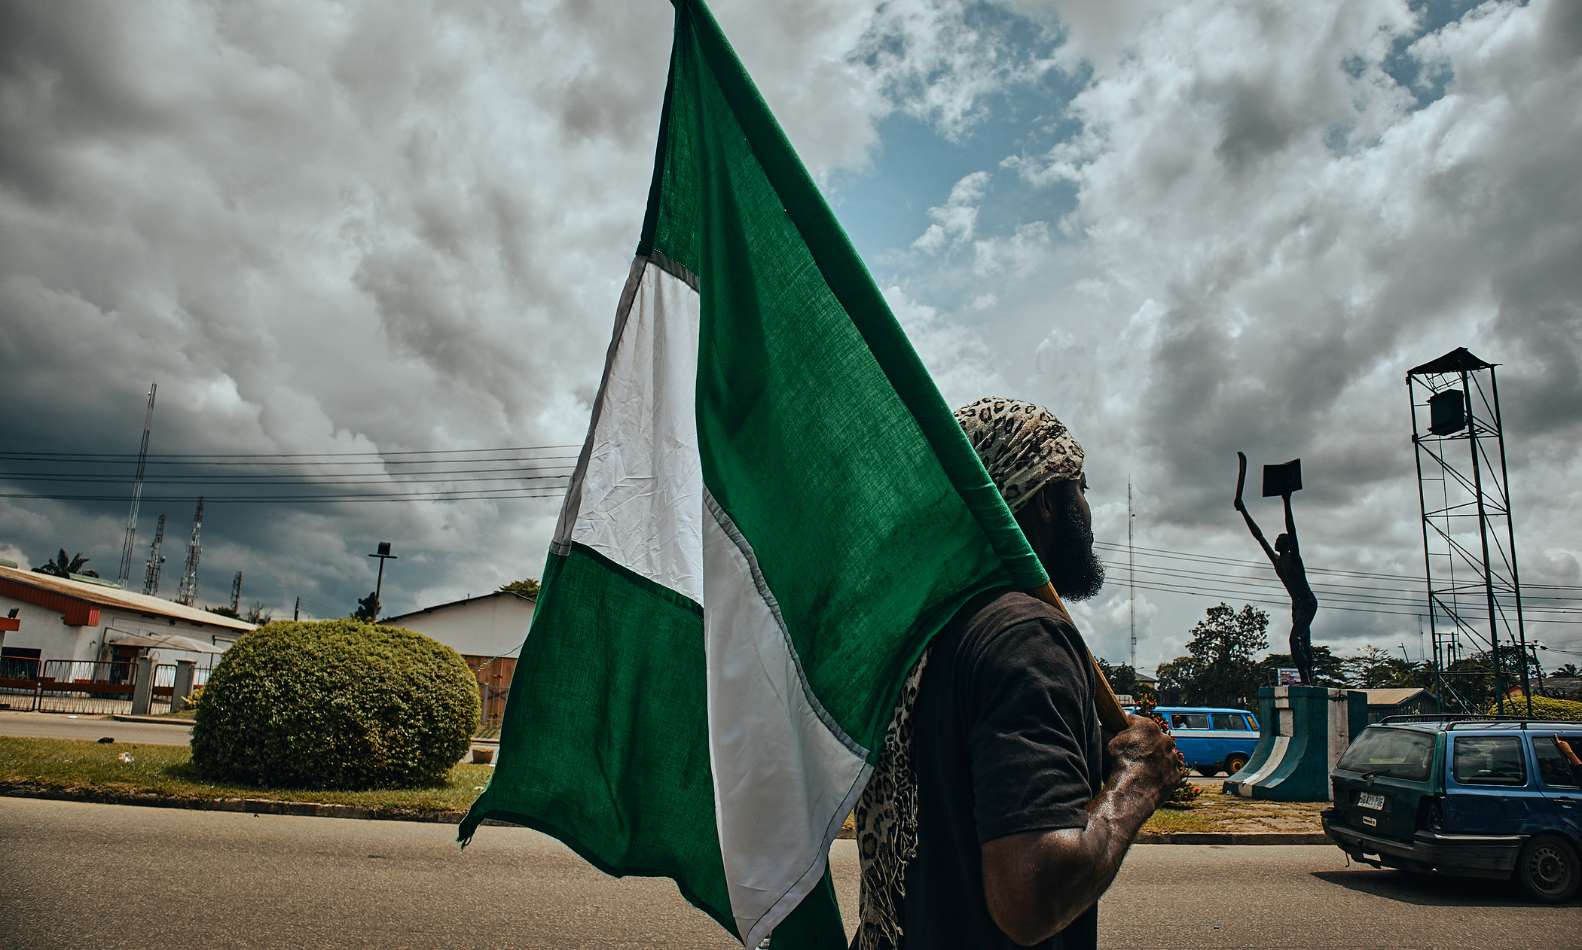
{"x": 1037, "y": 882}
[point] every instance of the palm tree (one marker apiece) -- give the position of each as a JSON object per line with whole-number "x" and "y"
{"x": 64, "y": 566}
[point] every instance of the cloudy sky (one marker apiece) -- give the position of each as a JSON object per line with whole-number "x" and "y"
{"x": 334, "y": 233}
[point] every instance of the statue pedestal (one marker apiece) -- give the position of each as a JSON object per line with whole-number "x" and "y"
{"x": 1302, "y": 731}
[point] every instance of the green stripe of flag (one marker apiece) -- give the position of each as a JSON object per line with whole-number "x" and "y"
{"x": 605, "y": 740}
{"x": 805, "y": 375}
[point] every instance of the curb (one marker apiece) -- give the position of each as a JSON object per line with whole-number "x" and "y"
{"x": 1234, "y": 838}
{"x": 153, "y": 720}
{"x": 273, "y": 806}
{"x": 250, "y": 806}
{"x": 1208, "y": 837}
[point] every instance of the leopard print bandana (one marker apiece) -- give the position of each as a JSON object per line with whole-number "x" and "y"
{"x": 886, "y": 822}
{"x": 1023, "y": 446}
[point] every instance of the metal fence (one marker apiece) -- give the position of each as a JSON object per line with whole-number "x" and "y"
{"x": 89, "y": 687}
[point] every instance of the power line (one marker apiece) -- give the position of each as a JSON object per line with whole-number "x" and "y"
{"x": 122, "y": 457}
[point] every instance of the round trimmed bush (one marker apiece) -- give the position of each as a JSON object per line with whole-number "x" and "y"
{"x": 335, "y": 704}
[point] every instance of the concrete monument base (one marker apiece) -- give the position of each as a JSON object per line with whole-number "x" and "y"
{"x": 1302, "y": 731}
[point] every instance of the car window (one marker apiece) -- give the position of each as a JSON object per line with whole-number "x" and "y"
{"x": 1553, "y": 767}
{"x": 1489, "y": 760}
{"x": 1402, "y": 753}
{"x": 1230, "y": 721}
{"x": 1189, "y": 720}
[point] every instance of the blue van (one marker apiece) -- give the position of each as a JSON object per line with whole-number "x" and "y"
{"x": 1212, "y": 739}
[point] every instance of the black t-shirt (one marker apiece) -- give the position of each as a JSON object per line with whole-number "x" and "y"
{"x": 1006, "y": 740}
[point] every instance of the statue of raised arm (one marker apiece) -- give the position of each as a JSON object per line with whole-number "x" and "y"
{"x": 1286, "y": 556}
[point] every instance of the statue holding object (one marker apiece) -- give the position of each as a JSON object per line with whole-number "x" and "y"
{"x": 1286, "y": 556}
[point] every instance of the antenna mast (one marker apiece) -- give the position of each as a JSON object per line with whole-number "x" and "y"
{"x": 1131, "y": 570}
{"x": 155, "y": 559}
{"x": 189, "y": 578}
{"x": 129, "y": 547}
{"x": 236, "y": 591}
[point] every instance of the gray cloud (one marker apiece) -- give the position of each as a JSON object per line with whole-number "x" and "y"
{"x": 364, "y": 227}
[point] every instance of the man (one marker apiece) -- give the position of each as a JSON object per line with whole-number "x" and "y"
{"x": 998, "y": 814}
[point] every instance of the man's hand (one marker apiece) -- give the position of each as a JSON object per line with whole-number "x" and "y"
{"x": 1143, "y": 757}
{"x": 1037, "y": 882}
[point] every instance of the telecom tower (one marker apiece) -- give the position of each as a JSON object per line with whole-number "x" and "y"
{"x": 1469, "y": 541}
{"x": 236, "y": 591}
{"x": 188, "y": 591}
{"x": 128, "y": 548}
{"x": 155, "y": 559}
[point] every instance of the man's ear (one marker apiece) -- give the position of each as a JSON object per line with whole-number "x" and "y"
{"x": 1048, "y": 503}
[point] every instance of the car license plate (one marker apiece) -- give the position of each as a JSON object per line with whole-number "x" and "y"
{"x": 1371, "y": 800}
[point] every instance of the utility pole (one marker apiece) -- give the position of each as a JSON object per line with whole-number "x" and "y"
{"x": 188, "y": 591}
{"x": 155, "y": 559}
{"x": 296, "y": 612}
{"x": 236, "y": 592}
{"x": 1131, "y": 570}
{"x": 129, "y": 547}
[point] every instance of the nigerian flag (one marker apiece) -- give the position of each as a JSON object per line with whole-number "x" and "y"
{"x": 773, "y": 512}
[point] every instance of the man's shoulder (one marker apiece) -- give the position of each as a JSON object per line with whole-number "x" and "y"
{"x": 1003, "y": 608}
{"x": 1010, "y": 629}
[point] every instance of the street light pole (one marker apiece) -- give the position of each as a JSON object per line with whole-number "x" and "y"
{"x": 383, "y": 556}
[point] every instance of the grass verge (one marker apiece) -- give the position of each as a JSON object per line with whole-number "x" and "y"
{"x": 90, "y": 771}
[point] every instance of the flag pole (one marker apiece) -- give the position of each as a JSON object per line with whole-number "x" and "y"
{"x": 1111, "y": 716}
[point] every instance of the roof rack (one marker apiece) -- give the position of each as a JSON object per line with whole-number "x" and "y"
{"x": 1452, "y": 720}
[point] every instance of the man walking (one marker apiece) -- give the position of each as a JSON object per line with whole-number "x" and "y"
{"x": 998, "y": 814}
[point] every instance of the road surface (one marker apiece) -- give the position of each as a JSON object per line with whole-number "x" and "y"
{"x": 81, "y": 875}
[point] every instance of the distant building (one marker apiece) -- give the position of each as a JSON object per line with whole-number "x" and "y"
{"x": 58, "y": 618}
{"x": 487, "y": 631}
{"x": 1401, "y": 701}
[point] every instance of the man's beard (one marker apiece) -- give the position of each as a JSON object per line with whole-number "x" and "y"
{"x": 1077, "y": 572}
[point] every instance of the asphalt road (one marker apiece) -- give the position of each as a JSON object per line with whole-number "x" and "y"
{"x": 92, "y": 728}
{"x": 78, "y": 875}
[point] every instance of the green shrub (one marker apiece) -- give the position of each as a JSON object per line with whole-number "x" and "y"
{"x": 336, "y": 704}
{"x": 1543, "y": 708}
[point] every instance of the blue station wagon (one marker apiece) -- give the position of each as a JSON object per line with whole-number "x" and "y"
{"x": 1477, "y": 798}
{"x": 1211, "y": 738}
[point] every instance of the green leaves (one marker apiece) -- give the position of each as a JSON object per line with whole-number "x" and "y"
{"x": 335, "y": 704}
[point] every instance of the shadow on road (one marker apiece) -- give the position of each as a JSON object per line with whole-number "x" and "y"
{"x": 1425, "y": 890}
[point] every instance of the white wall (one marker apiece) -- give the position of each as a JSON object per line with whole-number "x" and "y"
{"x": 483, "y": 626}
{"x": 42, "y": 629}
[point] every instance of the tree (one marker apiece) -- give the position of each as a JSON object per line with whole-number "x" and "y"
{"x": 1328, "y": 669}
{"x": 256, "y": 614}
{"x": 1220, "y": 670}
{"x": 224, "y": 612}
{"x": 64, "y": 566}
{"x": 367, "y": 607}
{"x": 1122, "y": 678}
{"x": 1375, "y": 668}
{"x": 527, "y": 587}
{"x": 1570, "y": 669}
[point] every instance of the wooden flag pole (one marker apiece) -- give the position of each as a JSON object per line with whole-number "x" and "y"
{"x": 1111, "y": 716}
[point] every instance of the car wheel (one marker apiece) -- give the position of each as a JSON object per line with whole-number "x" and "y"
{"x": 1235, "y": 763}
{"x": 1547, "y": 869}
